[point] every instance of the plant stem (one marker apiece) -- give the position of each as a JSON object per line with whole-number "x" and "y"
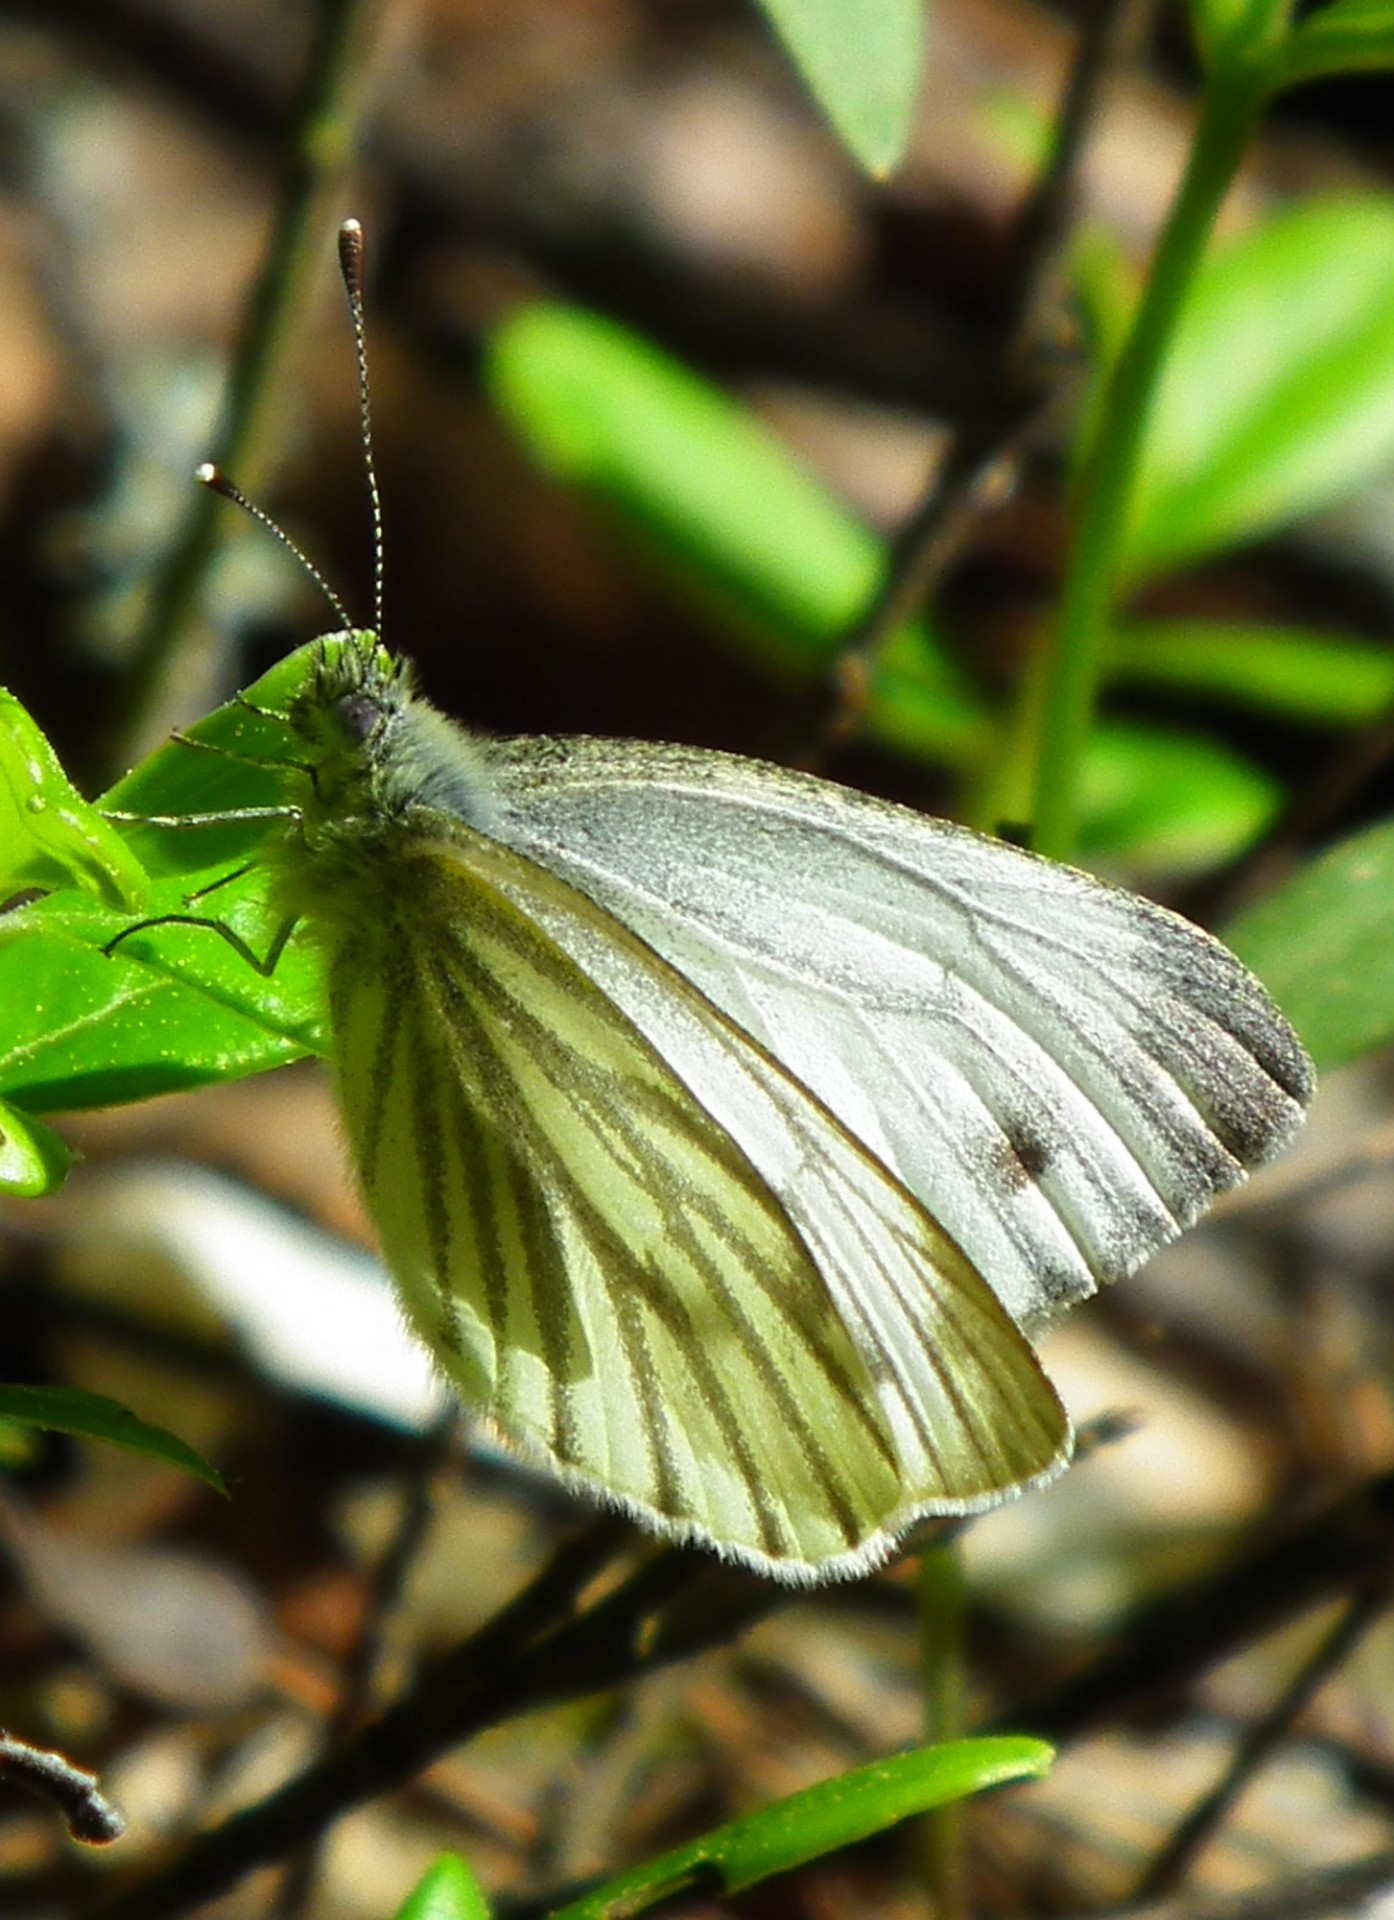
{"x": 170, "y": 675}
{"x": 1228, "y": 115}
{"x": 941, "y": 1600}
{"x": 1021, "y": 379}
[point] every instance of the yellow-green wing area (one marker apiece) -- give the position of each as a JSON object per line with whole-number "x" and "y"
{"x": 642, "y": 1248}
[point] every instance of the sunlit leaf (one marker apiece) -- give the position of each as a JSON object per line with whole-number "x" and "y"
{"x": 861, "y": 60}
{"x": 1324, "y": 946}
{"x": 1313, "y": 677}
{"x": 447, "y": 1890}
{"x": 33, "y": 1160}
{"x": 174, "y": 1007}
{"x": 808, "y": 1825}
{"x": 92, "y": 1416}
{"x": 1278, "y": 393}
{"x": 752, "y": 534}
{"x": 1231, "y": 31}
{"x": 1351, "y": 36}
{"x": 49, "y": 835}
{"x": 1169, "y": 803}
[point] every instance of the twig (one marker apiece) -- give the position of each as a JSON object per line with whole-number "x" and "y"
{"x": 1339, "y": 1890}
{"x": 978, "y": 460}
{"x": 364, "y": 1660}
{"x": 172, "y": 659}
{"x": 77, "y": 1794}
{"x": 1175, "y": 1859}
{"x": 1345, "y": 1548}
{"x": 532, "y": 1653}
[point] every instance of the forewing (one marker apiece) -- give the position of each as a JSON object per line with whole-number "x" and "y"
{"x": 645, "y": 1250}
{"x": 1063, "y": 1073}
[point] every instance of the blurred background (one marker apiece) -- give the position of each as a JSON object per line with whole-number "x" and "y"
{"x": 657, "y": 161}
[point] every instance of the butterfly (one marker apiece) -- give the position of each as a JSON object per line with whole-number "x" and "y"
{"x": 728, "y": 1133}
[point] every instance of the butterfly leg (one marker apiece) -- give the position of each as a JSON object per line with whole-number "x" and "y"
{"x": 264, "y": 964}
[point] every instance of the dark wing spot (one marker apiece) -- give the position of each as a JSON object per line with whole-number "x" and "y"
{"x": 1019, "y": 1155}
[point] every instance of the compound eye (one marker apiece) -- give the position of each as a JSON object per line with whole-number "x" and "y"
{"x": 360, "y": 715}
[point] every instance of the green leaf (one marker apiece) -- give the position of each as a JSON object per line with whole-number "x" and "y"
{"x": 787, "y": 569}
{"x": 1229, "y": 31}
{"x": 1278, "y": 394}
{"x": 1319, "y": 679}
{"x": 1169, "y": 803}
{"x": 783, "y": 567}
{"x": 92, "y": 1416}
{"x": 861, "y": 60}
{"x": 1352, "y": 36}
{"x": 33, "y": 1160}
{"x": 807, "y": 1825}
{"x": 447, "y": 1890}
{"x": 49, "y": 835}
{"x": 171, "y": 1007}
{"x": 239, "y": 762}
{"x": 1323, "y": 945}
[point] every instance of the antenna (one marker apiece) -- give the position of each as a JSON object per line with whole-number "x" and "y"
{"x": 212, "y": 476}
{"x": 351, "y": 268}
{"x": 216, "y": 481}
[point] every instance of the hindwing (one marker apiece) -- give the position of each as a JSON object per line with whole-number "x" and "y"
{"x": 647, "y": 1251}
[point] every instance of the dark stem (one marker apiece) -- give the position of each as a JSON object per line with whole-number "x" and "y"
{"x": 171, "y": 669}
{"x": 1346, "y": 1548}
{"x": 538, "y": 1650}
{"x": 1175, "y": 1859}
{"x": 979, "y": 460}
{"x": 364, "y": 1660}
{"x": 77, "y": 1794}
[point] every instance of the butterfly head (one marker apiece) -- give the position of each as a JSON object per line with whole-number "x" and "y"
{"x": 346, "y": 717}
{"x": 374, "y": 751}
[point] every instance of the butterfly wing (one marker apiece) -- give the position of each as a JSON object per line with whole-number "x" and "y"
{"x": 1064, "y": 1074}
{"x": 643, "y": 1248}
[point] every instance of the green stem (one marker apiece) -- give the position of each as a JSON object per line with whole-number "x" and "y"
{"x": 171, "y": 674}
{"x": 941, "y": 1599}
{"x": 1095, "y": 571}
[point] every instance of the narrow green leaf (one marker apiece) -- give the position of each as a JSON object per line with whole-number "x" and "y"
{"x": 1351, "y": 36}
{"x": 33, "y": 1160}
{"x": 787, "y": 569}
{"x": 92, "y": 1416}
{"x": 716, "y": 498}
{"x": 49, "y": 835}
{"x": 1278, "y": 395}
{"x": 1169, "y": 802}
{"x": 1323, "y": 945}
{"x": 447, "y": 1890}
{"x": 1317, "y": 678}
{"x": 808, "y": 1825}
{"x": 861, "y": 60}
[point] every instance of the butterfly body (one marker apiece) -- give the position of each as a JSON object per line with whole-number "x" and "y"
{"x": 725, "y": 1131}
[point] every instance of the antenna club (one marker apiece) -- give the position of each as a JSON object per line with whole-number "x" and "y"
{"x": 351, "y": 256}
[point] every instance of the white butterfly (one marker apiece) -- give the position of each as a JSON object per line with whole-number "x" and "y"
{"x": 726, "y": 1131}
